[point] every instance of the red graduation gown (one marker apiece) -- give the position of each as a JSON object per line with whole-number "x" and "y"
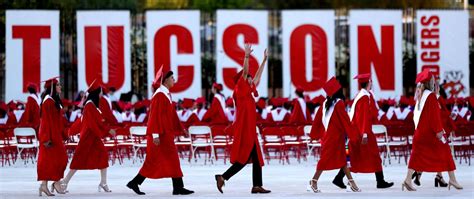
{"x": 91, "y": 152}
{"x": 215, "y": 114}
{"x": 162, "y": 161}
{"x": 333, "y": 145}
{"x": 244, "y": 126}
{"x": 297, "y": 116}
{"x": 31, "y": 116}
{"x": 448, "y": 123}
{"x": 107, "y": 112}
{"x": 429, "y": 154}
{"x": 365, "y": 158}
{"x": 51, "y": 161}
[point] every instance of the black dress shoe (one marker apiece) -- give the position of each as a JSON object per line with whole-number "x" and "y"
{"x": 384, "y": 184}
{"x": 134, "y": 187}
{"x": 339, "y": 183}
{"x": 259, "y": 190}
{"x": 182, "y": 191}
{"x": 416, "y": 178}
{"x": 220, "y": 182}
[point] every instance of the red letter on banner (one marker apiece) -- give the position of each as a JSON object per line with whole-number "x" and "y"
{"x": 232, "y": 49}
{"x": 298, "y": 57}
{"x": 31, "y": 36}
{"x": 163, "y": 55}
{"x": 93, "y": 55}
{"x": 383, "y": 60}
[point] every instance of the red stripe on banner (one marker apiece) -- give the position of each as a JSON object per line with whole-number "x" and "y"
{"x": 382, "y": 60}
{"x": 236, "y": 53}
{"x": 162, "y": 54}
{"x": 31, "y": 36}
{"x": 319, "y": 53}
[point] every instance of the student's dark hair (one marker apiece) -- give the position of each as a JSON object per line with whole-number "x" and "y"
{"x": 94, "y": 96}
{"x": 364, "y": 84}
{"x": 332, "y": 99}
{"x": 54, "y": 95}
{"x": 31, "y": 90}
{"x": 299, "y": 94}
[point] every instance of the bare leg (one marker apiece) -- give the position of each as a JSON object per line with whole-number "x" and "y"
{"x": 69, "y": 176}
{"x": 452, "y": 181}
{"x": 408, "y": 177}
{"x": 103, "y": 176}
{"x": 317, "y": 174}
{"x": 44, "y": 189}
{"x": 407, "y": 182}
{"x": 352, "y": 183}
{"x": 103, "y": 181}
{"x": 313, "y": 184}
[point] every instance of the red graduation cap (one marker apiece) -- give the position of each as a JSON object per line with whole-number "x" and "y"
{"x": 362, "y": 78}
{"x": 381, "y": 102}
{"x": 318, "y": 100}
{"x": 391, "y": 102}
{"x": 200, "y": 100}
{"x": 32, "y": 85}
{"x": 187, "y": 103}
{"x": 138, "y": 105}
{"x": 93, "y": 86}
{"x": 146, "y": 102}
{"x": 404, "y": 101}
{"x": 261, "y": 103}
{"x": 229, "y": 102}
{"x": 277, "y": 102}
{"x": 217, "y": 86}
{"x": 128, "y": 106}
{"x": 299, "y": 90}
{"x": 331, "y": 86}
{"x": 3, "y": 106}
{"x": 156, "y": 82}
{"x": 423, "y": 77}
{"x": 12, "y": 105}
{"x": 50, "y": 82}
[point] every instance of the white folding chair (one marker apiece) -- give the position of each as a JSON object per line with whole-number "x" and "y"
{"x": 138, "y": 135}
{"x": 311, "y": 144}
{"x": 26, "y": 141}
{"x": 379, "y": 130}
{"x": 201, "y": 137}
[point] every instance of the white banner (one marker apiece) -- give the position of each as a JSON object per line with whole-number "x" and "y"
{"x": 32, "y": 50}
{"x": 103, "y": 49}
{"x": 234, "y": 28}
{"x": 376, "y": 47}
{"x": 308, "y": 50}
{"x": 174, "y": 41}
{"x": 443, "y": 47}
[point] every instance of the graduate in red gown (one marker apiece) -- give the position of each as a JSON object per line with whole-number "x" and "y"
{"x": 331, "y": 125}
{"x": 364, "y": 154}
{"x": 91, "y": 153}
{"x": 162, "y": 159}
{"x": 430, "y": 151}
{"x": 105, "y": 106}
{"x": 246, "y": 148}
{"x": 448, "y": 126}
{"x": 215, "y": 115}
{"x": 300, "y": 115}
{"x": 52, "y": 156}
{"x": 31, "y": 116}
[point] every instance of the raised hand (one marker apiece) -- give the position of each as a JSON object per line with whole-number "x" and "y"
{"x": 248, "y": 49}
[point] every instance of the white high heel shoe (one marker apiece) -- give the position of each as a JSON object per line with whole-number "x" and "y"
{"x": 312, "y": 187}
